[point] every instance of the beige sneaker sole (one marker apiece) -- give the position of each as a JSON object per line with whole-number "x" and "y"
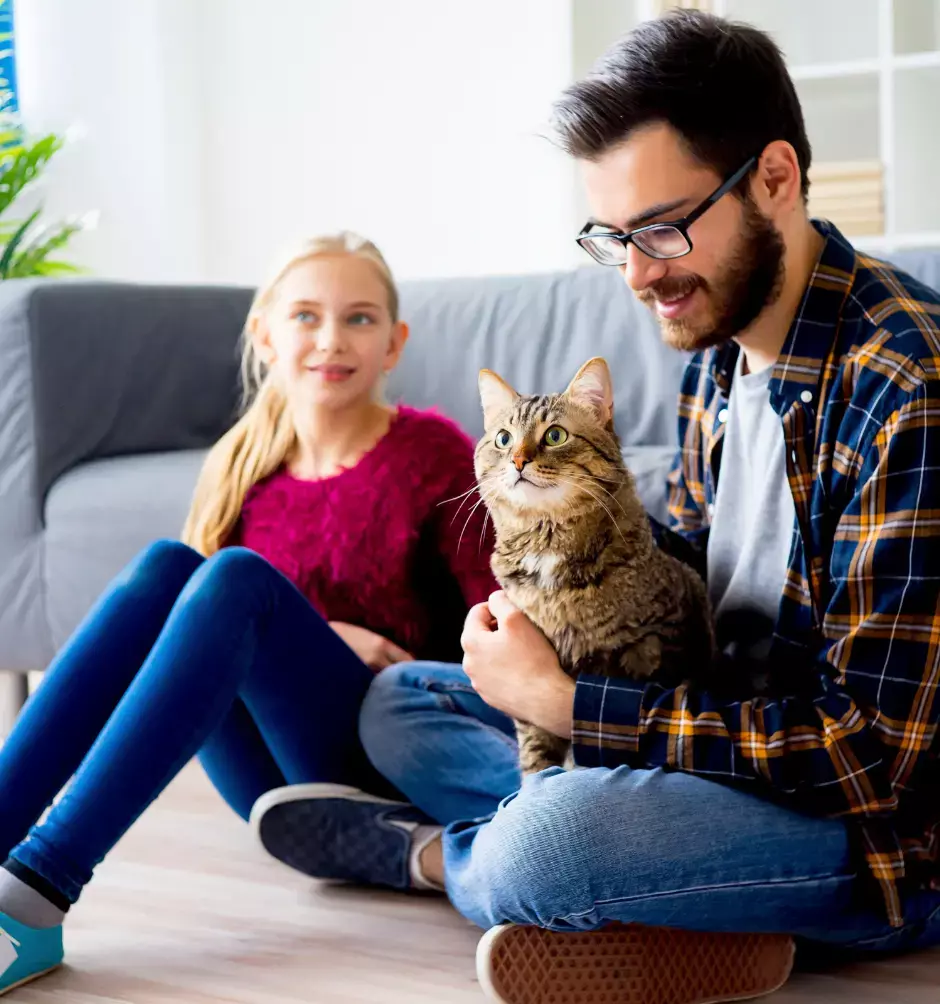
{"x": 630, "y": 965}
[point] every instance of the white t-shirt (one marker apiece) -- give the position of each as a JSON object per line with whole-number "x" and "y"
{"x": 753, "y": 519}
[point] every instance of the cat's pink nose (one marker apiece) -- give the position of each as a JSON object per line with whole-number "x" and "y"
{"x": 519, "y": 460}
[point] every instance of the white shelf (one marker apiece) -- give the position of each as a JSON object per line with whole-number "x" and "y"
{"x": 916, "y": 26}
{"x": 813, "y": 32}
{"x": 835, "y": 71}
{"x": 868, "y": 76}
{"x": 843, "y": 117}
{"x": 916, "y": 192}
{"x": 862, "y": 67}
{"x": 898, "y": 242}
{"x": 914, "y": 61}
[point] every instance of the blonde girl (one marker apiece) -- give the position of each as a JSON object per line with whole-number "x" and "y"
{"x": 316, "y": 553}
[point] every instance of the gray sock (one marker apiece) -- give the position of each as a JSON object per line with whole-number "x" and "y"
{"x": 21, "y": 902}
{"x": 420, "y": 838}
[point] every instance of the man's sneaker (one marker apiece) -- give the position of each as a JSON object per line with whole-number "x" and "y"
{"x": 630, "y": 965}
{"x": 331, "y": 831}
{"x": 26, "y": 953}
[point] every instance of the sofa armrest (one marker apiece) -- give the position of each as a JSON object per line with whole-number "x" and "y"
{"x": 21, "y": 608}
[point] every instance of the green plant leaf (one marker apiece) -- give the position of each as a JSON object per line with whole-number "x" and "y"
{"x": 56, "y": 268}
{"x": 25, "y": 251}
{"x": 20, "y": 165}
{"x": 14, "y": 242}
{"x": 26, "y": 262}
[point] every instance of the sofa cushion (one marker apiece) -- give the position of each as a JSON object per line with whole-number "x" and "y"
{"x": 536, "y": 331}
{"x": 99, "y": 515}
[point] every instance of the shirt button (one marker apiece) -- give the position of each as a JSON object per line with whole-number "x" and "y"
{"x": 723, "y": 415}
{"x": 806, "y": 397}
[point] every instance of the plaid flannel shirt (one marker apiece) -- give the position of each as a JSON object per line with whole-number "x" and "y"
{"x": 857, "y": 389}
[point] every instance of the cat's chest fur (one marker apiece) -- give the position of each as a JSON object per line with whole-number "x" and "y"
{"x": 578, "y": 605}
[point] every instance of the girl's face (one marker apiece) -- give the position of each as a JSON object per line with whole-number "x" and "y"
{"x": 327, "y": 333}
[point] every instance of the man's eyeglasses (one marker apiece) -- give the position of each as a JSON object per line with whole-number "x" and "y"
{"x": 658, "y": 240}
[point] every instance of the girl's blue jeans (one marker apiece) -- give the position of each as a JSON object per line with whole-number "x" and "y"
{"x": 222, "y": 657}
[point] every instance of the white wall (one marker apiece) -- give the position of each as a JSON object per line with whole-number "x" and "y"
{"x": 218, "y": 130}
{"x": 416, "y": 122}
{"x": 119, "y": 70}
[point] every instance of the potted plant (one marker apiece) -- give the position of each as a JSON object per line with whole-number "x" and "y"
{"x": 27, "y": 245}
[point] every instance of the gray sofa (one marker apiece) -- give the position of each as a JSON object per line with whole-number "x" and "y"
{"x": 110, "y": 394}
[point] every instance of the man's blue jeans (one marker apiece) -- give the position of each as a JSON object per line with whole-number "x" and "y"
{"x": 573, "y": 850}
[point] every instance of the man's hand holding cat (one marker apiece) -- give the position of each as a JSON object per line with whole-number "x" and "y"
{"x": 514, "y": 668}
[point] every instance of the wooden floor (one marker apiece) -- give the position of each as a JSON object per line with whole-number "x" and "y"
{"x": 188, "y": 910}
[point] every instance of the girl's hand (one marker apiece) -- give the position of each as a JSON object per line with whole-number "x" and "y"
{"x": 374, "y": 650}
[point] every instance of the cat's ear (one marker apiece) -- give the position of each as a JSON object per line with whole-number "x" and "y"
{"x": 495, "y": 394}
{"x": 592, "y": 389}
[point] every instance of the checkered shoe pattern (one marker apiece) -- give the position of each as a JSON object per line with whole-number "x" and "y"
{"x": 331, "y": 832}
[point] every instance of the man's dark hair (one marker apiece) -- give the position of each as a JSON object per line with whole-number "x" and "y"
{"x": 721, "y": 85}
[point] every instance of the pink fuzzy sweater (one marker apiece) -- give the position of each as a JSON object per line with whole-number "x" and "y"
{"x": 379, "y": 545}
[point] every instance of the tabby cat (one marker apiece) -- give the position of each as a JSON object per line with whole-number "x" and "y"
{"x": 574, "y": 550}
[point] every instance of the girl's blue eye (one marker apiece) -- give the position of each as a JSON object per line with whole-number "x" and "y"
{"x": 359, "y": 320}
{"x": 503, "y": 439}
{"x": 305, "y": 316}
{"x": 555, "y": 436}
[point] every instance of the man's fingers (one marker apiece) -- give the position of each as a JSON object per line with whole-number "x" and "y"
{"x": 479, "y": 622}
{"x": 502, "y": 608}
{"x": 479, "y": 618}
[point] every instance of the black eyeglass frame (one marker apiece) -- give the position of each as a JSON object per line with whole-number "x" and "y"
{"x": 681, "y": 225}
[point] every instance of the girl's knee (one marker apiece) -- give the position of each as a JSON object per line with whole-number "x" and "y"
{"x": 238, "y": 560}
{"x": 163, "y": 561}
{"x": 242, "y": 581}
{"x": 237, "y": 569}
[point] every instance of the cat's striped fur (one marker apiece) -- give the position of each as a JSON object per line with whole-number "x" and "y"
{"x": 574, "y": 550}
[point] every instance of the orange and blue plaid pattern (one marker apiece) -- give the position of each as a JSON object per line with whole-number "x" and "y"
{"x": 858, "y": 628}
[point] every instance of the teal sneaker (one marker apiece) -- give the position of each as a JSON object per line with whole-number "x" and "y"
{"x": 26, "y": 953}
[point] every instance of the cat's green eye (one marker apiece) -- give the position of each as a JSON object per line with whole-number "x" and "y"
{"x": 555, "y": 436}
{"x": 503, "y": 439}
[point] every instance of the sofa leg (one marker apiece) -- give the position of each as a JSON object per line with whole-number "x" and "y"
{"x": 14, "y": 689}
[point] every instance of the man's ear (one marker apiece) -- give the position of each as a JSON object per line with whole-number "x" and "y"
{"x": 777, "y": 183}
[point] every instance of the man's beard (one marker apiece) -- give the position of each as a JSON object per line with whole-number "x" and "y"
{"x": 750, "y": 281}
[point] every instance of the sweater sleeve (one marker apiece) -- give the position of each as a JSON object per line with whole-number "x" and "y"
{"x": 460, "y": 526}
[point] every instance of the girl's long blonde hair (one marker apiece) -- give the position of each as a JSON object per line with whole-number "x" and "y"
{"x": 264, "y": 437}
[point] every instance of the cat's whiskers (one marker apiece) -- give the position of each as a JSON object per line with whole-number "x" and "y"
{"x": 462, "y": 495}
{"x": 597, "y": 477}
{"x": 480, "y": 481}
{"x": 610, "y": 493}
{"x": 476, "y": 506}
{"x": 478, "y": 487}
{"x": 599, "y": 501}
{"x": 486, "y": 516}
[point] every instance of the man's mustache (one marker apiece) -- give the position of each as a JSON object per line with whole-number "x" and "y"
{"x": 671, "y": 288}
